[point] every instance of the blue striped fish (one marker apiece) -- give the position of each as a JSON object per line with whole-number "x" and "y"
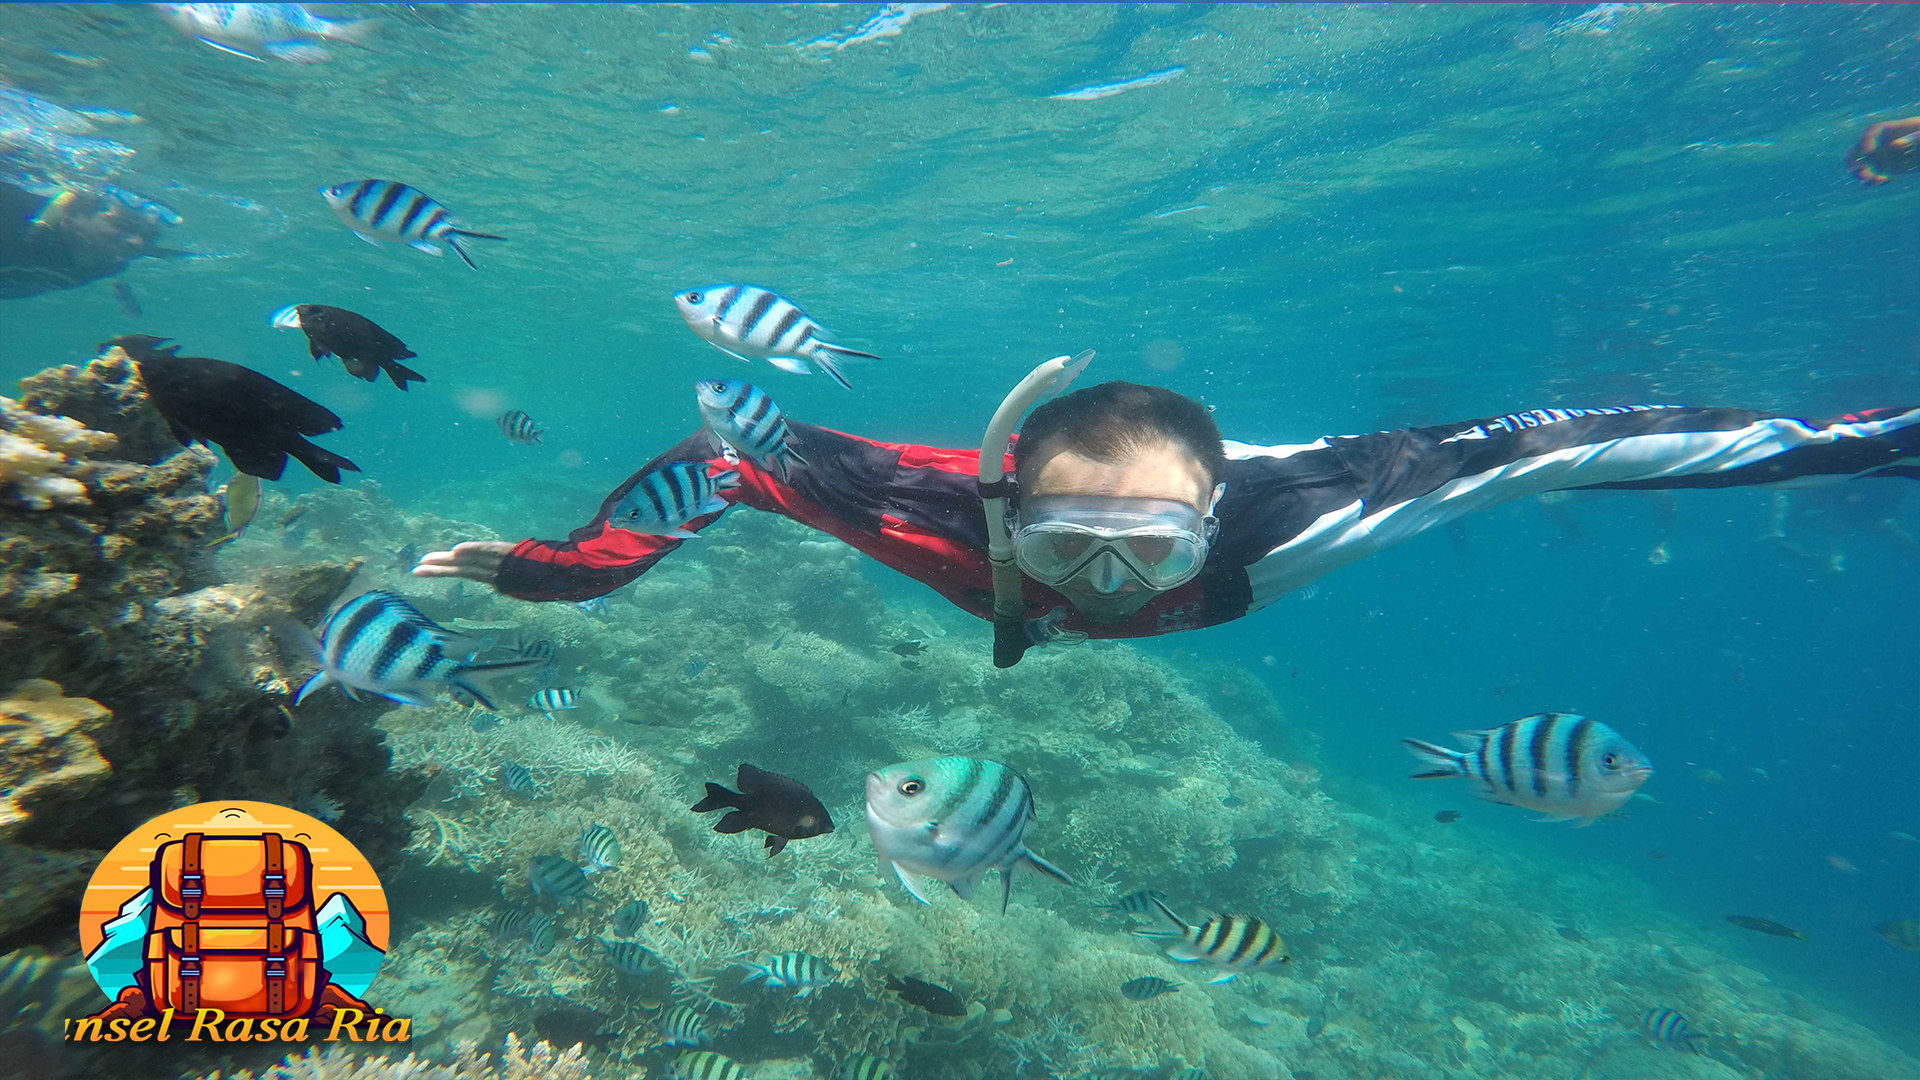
{"x": 1233, "y": 943}
{"x": 518, "y": 427}
{"x": 953, "y": 819}
{"x": 540, "y": 933}
{"x": 630, "y": 957}
{"x": 629, "y": 917}
{"x": 681, "y": 1026}
{"x": 1564, "y": 766}
{"x": 1671, "y": 1030}
{"x": 746, "y": 419}
{"x": 553, "y": 699}
{"x": 285, "y": 31}
{"x": 516, "y": 778}
{"x": 747, "y": 322}
{"x": 704, "y": 1065}
{"x": 554, "y": 878}
{"x": 865, "y": 1067}
{"x": 513, "y": 922}
{"x": 666, "y": 498}
{"x": 379, "y": 210}
{"x": 1139, "y": 902}
{"x": 798, "y": 969}
{"x": 379, "y": 644}
{"x": 599, "y": 849}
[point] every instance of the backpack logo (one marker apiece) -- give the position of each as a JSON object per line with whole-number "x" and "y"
{"x": 234, "y": 922}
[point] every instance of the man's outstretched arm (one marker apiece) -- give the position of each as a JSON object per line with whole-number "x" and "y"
{"x": 594, "y": 560}
{"x": 1409, "y": 481}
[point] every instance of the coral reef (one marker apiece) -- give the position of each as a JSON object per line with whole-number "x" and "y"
{"x": 35, "y": 470}
{"x": 539, "y": 1062}
{"x": 113, "y": 597}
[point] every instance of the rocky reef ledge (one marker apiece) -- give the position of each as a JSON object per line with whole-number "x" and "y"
{"x": 134, "y": 679}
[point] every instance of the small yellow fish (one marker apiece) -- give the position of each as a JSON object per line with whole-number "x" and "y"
{"x": 1710, "y": 776}
{"x": 242, "y": 503}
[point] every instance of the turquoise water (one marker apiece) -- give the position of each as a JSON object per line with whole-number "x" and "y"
{"x": 1333, "y": 220}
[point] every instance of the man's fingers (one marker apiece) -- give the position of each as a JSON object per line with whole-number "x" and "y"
{"x": 475, "y": 560}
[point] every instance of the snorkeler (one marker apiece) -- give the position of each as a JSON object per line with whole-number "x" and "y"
{"x": 1891, "y": 146}
{"x": 1128, "y": 515}
{"x": 70, "y": 239}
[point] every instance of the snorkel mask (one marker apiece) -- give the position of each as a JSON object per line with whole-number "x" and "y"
{"x": 1113, "y": 545}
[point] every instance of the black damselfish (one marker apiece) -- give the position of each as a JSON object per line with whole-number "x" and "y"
{"x": 937, "y": 1000}
{"x": 364, "y": 348}
{"x": 257, "y": 421}
{"x": 779, "y": 806}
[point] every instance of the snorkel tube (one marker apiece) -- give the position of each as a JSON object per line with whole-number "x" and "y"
{"x": 1010, "y": 639}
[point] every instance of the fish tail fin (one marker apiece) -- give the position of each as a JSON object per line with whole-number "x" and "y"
{"x": 453, "y": 241}
{"x": 401, "y": 374}
{"x": 1177, "y": 926}
{"x": 718, "y": 795}
{"x": 222, "y": 541}
{"x": 476, "y": 680}
{"x": 1440, "y": 761}
{"x": 322, "y": 462}
{"x": 291, "y": 633}
{"x": 362, "y": 32}
{"x": 844, "y": 352}
{"x": 825, "y": 359}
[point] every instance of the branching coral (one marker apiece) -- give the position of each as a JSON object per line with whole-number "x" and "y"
{"x": 516, "y": 1062}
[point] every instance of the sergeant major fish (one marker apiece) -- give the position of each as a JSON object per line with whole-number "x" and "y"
{"x": 389, "y": 210}
{"x": 286, "y": 31}
{"x": 664, "y": 499}
{"x": 516, "y": 779}
{"x": 599, "y": 849}
{"x": 552, "y": 699}
{"x": 745, "y": 418}
{"x": 953, "y": 819}
{"x": 379, "y": 644}
{"x": 1146, "y": 988}
{"x": 1233, "y": 943}
{"x": 748, "y": 322}
{"x": 518, "y": 427}
{"x": 554, "y": 878}
{"x": 704, "y": 1065}
{"x": 865, "y": 1067}
{"x": 682, "y": 1026}
{"x": 1564, "y": 766}
{"x": 1670, "y": 1029}
{"x": 629, "y": 917}
{"x": 797, "y": 969}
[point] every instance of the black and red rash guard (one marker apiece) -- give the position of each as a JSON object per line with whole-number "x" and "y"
{"x": 1291, "y": 512}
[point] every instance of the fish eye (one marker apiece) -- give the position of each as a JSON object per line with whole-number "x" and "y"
{"x": 912, "y": 786}
{"x": 1611, "y": 761}
{"x": 693, "y": 298}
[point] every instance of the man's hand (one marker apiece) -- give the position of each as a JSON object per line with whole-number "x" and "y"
{"x": 1889, "y": 145}
{"x": 475, "y": 560}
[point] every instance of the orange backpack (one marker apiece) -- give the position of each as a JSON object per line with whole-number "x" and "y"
{"x": 233, "y": 927}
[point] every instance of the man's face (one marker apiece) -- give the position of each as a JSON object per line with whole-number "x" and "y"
{"x": 1166, "y": 471}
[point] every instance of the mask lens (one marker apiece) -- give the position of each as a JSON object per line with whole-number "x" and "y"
{"x": 1066, "y": 548}
{"x": 1150, "y": 550}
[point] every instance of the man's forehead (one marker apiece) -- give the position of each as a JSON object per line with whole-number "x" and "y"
{"x": 1166, "y": 472}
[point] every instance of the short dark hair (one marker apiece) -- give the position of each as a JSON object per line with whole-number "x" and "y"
{"x": 1115, "y": 420}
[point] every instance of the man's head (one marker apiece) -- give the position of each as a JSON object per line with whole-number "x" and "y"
{"x": 1116, "y": 490}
